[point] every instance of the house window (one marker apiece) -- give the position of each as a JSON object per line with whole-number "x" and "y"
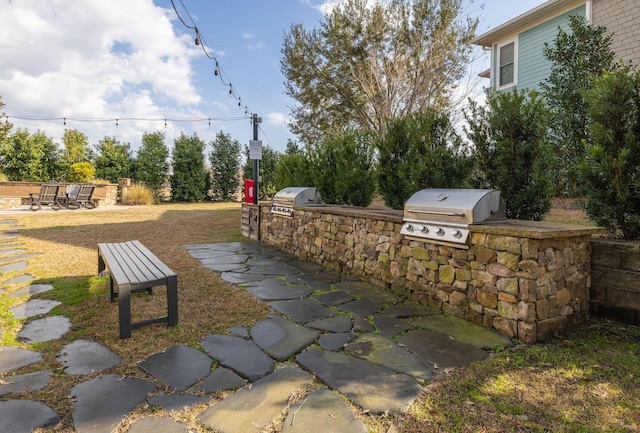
{"x": 507, "y": 64}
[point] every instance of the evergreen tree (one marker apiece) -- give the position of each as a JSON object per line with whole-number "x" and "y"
{"x": 29, "y": 157}
{"x": 190, "y": 180}
{"x": 151, "y": 165}
{"x": 509, "y": 135}
{"x": 225, "y": 167}
{"x": 113, "y": 159}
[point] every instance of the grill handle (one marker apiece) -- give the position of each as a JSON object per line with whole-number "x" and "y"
{"x": 433, "y": 212}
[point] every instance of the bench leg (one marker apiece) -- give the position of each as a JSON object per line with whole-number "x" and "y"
{"x": 172, "y": 301}
{"x": 124, "y": 311}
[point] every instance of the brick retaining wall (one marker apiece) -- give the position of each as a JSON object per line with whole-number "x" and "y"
{"x": 527, "y": 280}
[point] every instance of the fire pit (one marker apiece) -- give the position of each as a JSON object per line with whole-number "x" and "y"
{"x": 287, "y": 198}
{"x": 443, "y": 216}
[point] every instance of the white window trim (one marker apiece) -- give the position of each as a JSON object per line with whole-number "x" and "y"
{"x": 515, "y": 63}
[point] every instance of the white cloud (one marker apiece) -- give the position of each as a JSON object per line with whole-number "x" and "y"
{"x": 277, "y": 119}
{"x": 93, "y": 59}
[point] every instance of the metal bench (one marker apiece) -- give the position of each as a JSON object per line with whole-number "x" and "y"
{"x": 133, "y": 268}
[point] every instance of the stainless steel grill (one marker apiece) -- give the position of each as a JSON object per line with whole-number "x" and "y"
{"x": 443, "y": 216}
{"x": 285, "y": 199}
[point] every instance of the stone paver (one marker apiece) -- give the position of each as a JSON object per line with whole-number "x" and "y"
{"x": 390, "y": 326}
{"x": 13, "y": 267}
{"x": 86, "y": 357}
{"x": 242, "y": 356}
{"x": 280, "y": 338}
{"x": 322, "y": 411}
{"x": 335, "y": 342}
{"x": 334, "y": 298}
{"x": 33, "y": 307}
{"x": 272, "y": 293}
{"x": 364, "y": 307}
{"x": 220, "y": 380}
{"x": 389, "y": 391}
{"x": 99, "y": 404}
{"x": 332, "y": 324}
{"x": 158, "y": 424}
{"x": 20, "y": 279}
{"x": 464, "y": 331}
{"x": 13, "y": 358}
{"x": 179, "y": 366}
{"x": 177, "y": 401}
{"x": 20, "y": 416}
{"x": 24, "y": 382}
{"x": 252, "y": 409}
{"x": 32, "y": 289}
{"x": 45, "y": 329}
{"x": 303, "y": 310}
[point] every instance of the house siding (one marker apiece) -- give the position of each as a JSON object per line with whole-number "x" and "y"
{"x": 622, "y": 18}
{"x": 533, "y": 67}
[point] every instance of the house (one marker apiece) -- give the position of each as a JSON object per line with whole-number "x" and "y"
{"x": 516, "y": 47}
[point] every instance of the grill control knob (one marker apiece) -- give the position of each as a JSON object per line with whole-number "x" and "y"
{"x": 456, "y": 233}
{"x": 424, "y": 229}
{"x": 409, "y": 227}
{"x": 439, "y": 231}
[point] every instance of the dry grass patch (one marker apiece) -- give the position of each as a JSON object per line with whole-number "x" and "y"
{"x": 67, "y": 246}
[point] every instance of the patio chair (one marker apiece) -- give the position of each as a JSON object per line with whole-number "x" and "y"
{"x": 82, "y": 197}
{"x": 48, "y": 195}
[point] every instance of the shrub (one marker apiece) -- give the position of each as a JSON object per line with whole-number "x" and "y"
{"x": 509, "y": 135}
{"x": 81, "y": 172}
{"x": 610, "y": 172}
{"x": 417, "y": 152}
{"x": 139, "y": 194}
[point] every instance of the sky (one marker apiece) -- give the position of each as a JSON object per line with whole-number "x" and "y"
{"x": 82, "y": 64}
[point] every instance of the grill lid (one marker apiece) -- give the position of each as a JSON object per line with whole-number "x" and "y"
{"x": 443, "y": 215}
{"x": 286, "y": 198}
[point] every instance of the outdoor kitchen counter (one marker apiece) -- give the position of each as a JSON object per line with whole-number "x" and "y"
{"x": 357, "y": 212}
{"x": 536, "y": 229}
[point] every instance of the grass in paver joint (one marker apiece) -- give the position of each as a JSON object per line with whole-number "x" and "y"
{"x": 588, "y": 381}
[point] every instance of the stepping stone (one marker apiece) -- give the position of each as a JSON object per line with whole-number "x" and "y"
{"x": 221, "y": 379}
{"x": 390, "y": 326}
{"x": 305, "y": 267}
{"x": 335, "y": 342}
{"x": 16, "y": 257}
{"x": 32, "y": 289}
{"x": 239, "y": 278}
{"x": 226, "y": 259}
{"x": 179, "y": 366}
{"x": 12, "y": 267}
{"x": 464, "y": 331}
{"x": 381, "y": 351}
{"x": 45, "y": 329}
{"x": 410, "y": 310}
{"x": 8, "y": 235}
{"x": 11, "y": 251}
{"x": 322, "y": 411}
{"x": 315, "y": 279}
{"x": 240, "y": 355}
{"x": 20, "y": 416}
{"x": 24, "y": 382}
{"x": 267, "y": 282}
{"x": 210, "y": 255}
{"x": 177, "y": 402}
{"x": 13, "y": 358}
{"x": 267, "y": 293}
{"x": 100, "y": 404}
{"x": 239, "y": 331}
{"x": 364, "y": 307}
{"x": 253, "y": 409}
{"x": 332, "y": 324}
{"x": 280, "y": 338}
{"x": 368, "y": 291}
{"x": 33, "y": 307}
{"x": 227, "y": 267}
{"x": 303, "y": 310}
{"x": 369, "y": 386}
{"x": 361, "y": 324}
{"x": 334, "y": 298}
{"x": 158, "y": 424}
{"x": 274, "y": 268}
{"x": 86, "y": 357}
{"x": 20, "y": 279}
{"x": 439, "y": 351}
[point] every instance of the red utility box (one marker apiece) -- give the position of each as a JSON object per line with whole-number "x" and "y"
{"x": 249, "y": 190}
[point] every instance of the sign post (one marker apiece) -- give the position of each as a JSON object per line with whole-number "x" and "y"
{"x": 255, "y": 153}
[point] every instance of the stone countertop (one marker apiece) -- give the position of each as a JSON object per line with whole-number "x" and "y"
{"x": 536, "y": 229}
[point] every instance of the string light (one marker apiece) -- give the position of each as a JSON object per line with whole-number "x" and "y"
{"x": 201, "y": 42}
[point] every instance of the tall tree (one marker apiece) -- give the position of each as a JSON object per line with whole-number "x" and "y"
{"x": 29, "y": 157}
{"x": 152, "y": 165}
{"x": 5, "y": 126}
{"x": 76, "y": 148}
{"x": 367, "y": 64}
{"x": 225, "y": 166}
{"x": 113, "y": 159}
{"x": 190, "y": 180}
{"x": 579, "y": 55}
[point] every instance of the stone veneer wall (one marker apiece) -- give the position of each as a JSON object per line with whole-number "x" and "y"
{"x": 527, "y": 280}
{"x": 16, "y": 194}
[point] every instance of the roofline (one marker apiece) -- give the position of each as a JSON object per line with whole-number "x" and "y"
{"x": 526, "y": 20}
